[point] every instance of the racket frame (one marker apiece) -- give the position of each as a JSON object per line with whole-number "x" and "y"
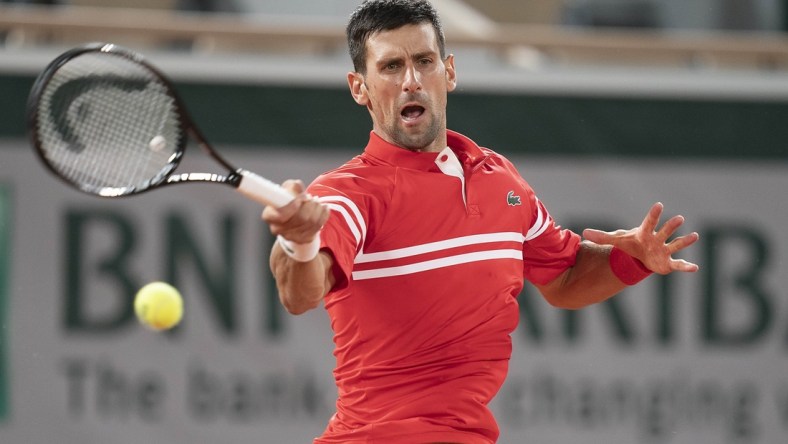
{"x": 249, "y": 184}
{"x": 188, "y": 128}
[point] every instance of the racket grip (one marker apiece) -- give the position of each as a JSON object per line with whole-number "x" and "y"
{"x": 262, "y": 190}
{"x": 300, "y": 252}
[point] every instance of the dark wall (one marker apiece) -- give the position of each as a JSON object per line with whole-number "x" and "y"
{"x": 254, "y": 115}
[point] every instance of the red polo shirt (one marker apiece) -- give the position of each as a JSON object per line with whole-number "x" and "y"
{"x": 430, "y": 252}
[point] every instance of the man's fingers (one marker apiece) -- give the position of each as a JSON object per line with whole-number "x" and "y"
{"x": 670, "y": 227}
{"x": 282, "y": 214}
{"x": 679, "y": 244}
{"x": 295, "y": 186}
{"x": 649, "y": 224}
{"x": 682, "y": 265}
{"x": 302, "y": 226}
{"x": 682, "y": 242}
{"x": 314, "y": 212}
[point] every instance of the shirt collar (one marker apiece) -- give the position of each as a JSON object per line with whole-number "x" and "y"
{"x": 466, "y": 150}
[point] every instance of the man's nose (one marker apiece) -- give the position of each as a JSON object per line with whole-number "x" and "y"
{"x": 412, "y": 80}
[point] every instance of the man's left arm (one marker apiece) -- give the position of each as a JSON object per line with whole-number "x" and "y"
{"x": 608, "y": 262}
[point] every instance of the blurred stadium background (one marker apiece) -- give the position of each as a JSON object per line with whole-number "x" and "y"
{"x": 604, "y": 105}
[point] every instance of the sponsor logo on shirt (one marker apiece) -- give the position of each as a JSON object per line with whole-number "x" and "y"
{"x": 513, "y": 200}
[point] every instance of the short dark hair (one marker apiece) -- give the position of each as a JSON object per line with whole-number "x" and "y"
{"x": 374, "y": 16}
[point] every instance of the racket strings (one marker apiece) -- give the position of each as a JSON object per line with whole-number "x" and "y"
{"x": 108, "y": 124}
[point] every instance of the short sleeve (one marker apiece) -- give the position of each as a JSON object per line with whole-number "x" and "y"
{"x": 344, "y": 232}
{"x": 548, "y": 250}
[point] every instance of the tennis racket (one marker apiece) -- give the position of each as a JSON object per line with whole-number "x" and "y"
{"x": 110, "y": 124}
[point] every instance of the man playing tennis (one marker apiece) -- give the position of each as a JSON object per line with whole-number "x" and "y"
{"x": 425, "y": 240}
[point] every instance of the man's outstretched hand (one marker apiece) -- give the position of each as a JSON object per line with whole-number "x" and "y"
{"x": 651, "y": 245}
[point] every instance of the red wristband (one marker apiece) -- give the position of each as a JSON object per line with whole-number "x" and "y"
{"x": 627, "y": 268}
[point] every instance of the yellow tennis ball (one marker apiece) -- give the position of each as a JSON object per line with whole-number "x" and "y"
{"x": 158, "y": 306}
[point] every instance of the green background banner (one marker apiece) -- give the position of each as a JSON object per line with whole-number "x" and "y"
{"x": 528, "y": 123}
{"x": 5, "y": 287}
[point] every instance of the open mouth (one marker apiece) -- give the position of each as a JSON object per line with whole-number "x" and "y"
{"x": 412, "y": 112}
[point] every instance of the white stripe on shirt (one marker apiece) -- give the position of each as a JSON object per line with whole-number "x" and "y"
{"x": 541, "y": 224}
{"x": 440, "y": 245}
{"x": 438, "y": 263}
{"x": 358, "y": 226}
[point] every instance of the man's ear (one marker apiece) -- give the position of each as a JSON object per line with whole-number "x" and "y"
{"x": 358, "y": 89}
{"x": 451, "y": 73}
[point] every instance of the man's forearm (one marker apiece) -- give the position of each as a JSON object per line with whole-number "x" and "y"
{"x": 301, "y": 285}
{"x": 588, "y": 282}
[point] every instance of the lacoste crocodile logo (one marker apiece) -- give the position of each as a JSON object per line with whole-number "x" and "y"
{"x": 512, "y": 200}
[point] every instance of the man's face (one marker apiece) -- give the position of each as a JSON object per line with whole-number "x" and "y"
{"x": 405, "y": 87}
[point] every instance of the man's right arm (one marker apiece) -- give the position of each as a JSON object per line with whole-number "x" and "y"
{"x": 302, "y": 284}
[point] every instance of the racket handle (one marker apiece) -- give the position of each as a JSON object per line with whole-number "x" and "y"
{"x": 262, "y": 190}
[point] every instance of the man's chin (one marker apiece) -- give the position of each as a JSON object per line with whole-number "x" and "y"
{"x": 415, "y": 143}
{"x": 416, "y": 139}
